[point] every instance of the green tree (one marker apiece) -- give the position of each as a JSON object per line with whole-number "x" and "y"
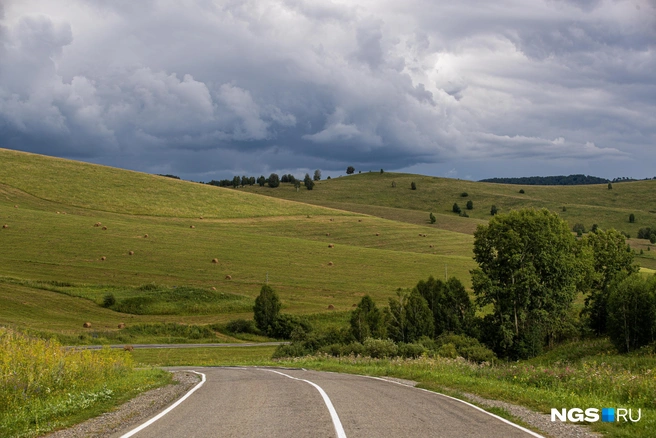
{"x": 274, "y": 180}
{"x": 367, "y": 320}
{"x": 610, "y": 186}
{"x": 632, "y": 313}
{"x": 350, "y": 170}
{"x": 432, "y": 218}
{"x": 494, "y": 210}
{"x": 382, "y": 171}
{"x": 297, "y": 184}
{"x": 261, "y": 180}
{"x": 409, "y": 317}
{"x": 309, "y": 183}
{"x": 470, "y": 205}
{"x": 236, "y": 181}
{"x": 456, "y": 208}
{"x": 413, "y": 186}
{"x": 266, "y": 309}
{"x": 317, "y": 175}
{"x": 452, "y": 309}
{"x": 612, "y": 261}
{"x": 632, "y": 218}
{"x": 528, "y": 272}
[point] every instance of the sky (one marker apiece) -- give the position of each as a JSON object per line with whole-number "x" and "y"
{"x": 208, "y": 89}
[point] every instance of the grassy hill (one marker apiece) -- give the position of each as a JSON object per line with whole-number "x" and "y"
{"x": 51, "y": 206}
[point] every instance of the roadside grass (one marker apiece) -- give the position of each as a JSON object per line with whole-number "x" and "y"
{"x": 592, "y": 378}
{"x": 44, "y": 387}
{"x": 211, "y": 356}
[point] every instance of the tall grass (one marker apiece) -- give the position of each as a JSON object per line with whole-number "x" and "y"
{"x": 43, "y": 386}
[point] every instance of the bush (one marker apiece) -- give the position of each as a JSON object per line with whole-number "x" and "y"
{"x": 413, "y": 186}
{"x": 467, "y": 347}
{"x": 109, "y": 300}
{"x": 411, "y": 350}
{"x": 309, "y": 183}
{"x": 432, "y": 218}
{"x": 578, "y": 228}
{"x": 463, "y": 214}
{"x": 494, "y": 210}
{"x": 464, "y": 194}
{"x": 242, "y": 326}
{"x": 289, "y": 350}
{"x": 470, "y": 205}
{"x": 350, "y": 170}
{"x": 274, "y": 180}
{"x": 522, "y": 191}
{"x": 380, "y": 348}
{"x": 632, "y": 218}
{"x": 285, "y": 325}
{"x": 456, "y": 208}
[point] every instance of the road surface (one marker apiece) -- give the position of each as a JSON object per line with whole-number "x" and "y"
{"x": 276, "y": 402}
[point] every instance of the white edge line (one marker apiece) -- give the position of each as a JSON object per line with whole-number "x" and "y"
{"x": 530, "y": 432}
{"x": 167, "y": 410}
{"x": 333, "y": 413}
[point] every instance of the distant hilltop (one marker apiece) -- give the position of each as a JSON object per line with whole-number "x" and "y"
{"x": 560, "y": 180}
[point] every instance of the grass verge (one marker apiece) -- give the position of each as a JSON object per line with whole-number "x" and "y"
{"x": 44, "y": 387}
{"x": 213, "y": 356}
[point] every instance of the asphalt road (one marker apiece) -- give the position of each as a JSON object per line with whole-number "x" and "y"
{"x": 261, "y": 402}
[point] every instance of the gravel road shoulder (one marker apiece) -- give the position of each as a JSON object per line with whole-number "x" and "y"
{"x": 133, "y": 412}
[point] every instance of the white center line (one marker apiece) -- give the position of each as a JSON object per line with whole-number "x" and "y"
{"x": 333, "y": 413}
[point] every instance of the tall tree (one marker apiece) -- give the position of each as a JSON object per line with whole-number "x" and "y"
{"x": 350, "y": 170}
{"x": 317, "y": 175}
{"x": 266, "y": 309}
{"x": 409, "y": 317}
{"x": 367, "y": 320}
{"x": 274, "y": 180}
{"x": 632, "y": 312}
{"x": 612, "y": 261}
{"x": 528, "y": 272}
{"x": 309, "y": 183}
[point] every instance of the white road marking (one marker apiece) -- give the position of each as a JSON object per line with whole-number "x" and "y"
{"x": 530, "y": 432}
{"x": 169, "y": 409}
{"x": 333, "y": 413}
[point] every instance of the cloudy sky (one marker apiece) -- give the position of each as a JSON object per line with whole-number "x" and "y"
{"x": 207, "y": 89}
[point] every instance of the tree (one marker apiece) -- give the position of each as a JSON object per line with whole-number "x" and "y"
{"x": 381, "y": 171}
{"x": 413, "y": 186}
{"x": 261, "y": 180}
{"x": 367, "y": 320}
{"x": 611, "y": 262}
{"x": 266, "y": 309}
{"x": 528, "y": 272}
{"x": 456, "y": 208}
{"x": 522, "y": 191}
{"x": 274, "y": 180}
{"x": 297, "y": 185}
{"x": 284, "y": 179}
{"x": 632, "y": 218}
{"x": 494, "y": 210}
{"x": 317, "y": 175}
{"x": 409, "y": 317}
{"x": 610, "y": 186}
{"x": 350, "y": 170}
{"x": 632, "y": 313}
{"x": 236, "y": 181}
{"x": 309, "y": 184}
{"x": 452, "y": 309}
{"x": 432, "y": 218}
{"x": 579, "y": 229}
{"x": 470, "y": 205}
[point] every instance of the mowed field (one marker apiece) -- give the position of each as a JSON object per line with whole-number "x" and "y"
{"x": 50, "y": 207}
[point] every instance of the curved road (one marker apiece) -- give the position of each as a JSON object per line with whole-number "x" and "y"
{"x": 275, "y": 402}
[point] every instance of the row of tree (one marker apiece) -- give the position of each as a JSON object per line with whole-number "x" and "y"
{"x": 272, "y": 181}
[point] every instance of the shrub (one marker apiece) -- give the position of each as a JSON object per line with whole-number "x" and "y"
{"x": 411, "y": 350}
{"x": 289, "y": 350}
{"x": 242, "y": 326}
{"x": 467, "y": 347}
{"x": 380, "y": 348}
{"x": 631, "y": 218}
{"x": 610, "y": 186}
{"x": 309, "y": 183}
{"x": 447, "y": 350}
{"x": 109, "y": 300}
{"x": 432, "y": 218}
{"x": 470, "y": 205}
{"x": 381, "y": 171}
{"x": 494, "y": 210}
{"x": 463, "y": 214}
{"x": 285, "y": 325}
{"x": 456, "y": 208}
{"x": 274, "y": 180}
{"x": 578, "y": 228}
{"x": 521, "y": 191}
{"x": 464, "y": 194}
{"x": 350, "y": 170}
{"x": 413, "y": 186}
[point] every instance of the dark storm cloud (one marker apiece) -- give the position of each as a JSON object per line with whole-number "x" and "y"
{"x": 210, "y": 88}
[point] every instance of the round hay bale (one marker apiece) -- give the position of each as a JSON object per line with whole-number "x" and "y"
{"x": 103, "y": 258}
{"x": 57, "y": 212}
{"x": 331, "y": 307}
{"x": 215, "y": 260}
{"x": 213, "y": 288}
{"x": 331, "y": 219}
{"x": 327, "y": 234}
{"x": 359, "y": 220}
{"x": 200, "y": 217}
{"x": 377, "y": 234}
{"x": 104, "y": 228}
{"x": 228, "y": 277}
{"x": 330, "y": 245}
{"x": 86, "y": 325}
{"x": 192, "y": 226}
{"x": 330, "y": 263}
{"x": 5, "y": 226}
{"x": 121, "y": 325}
{"x": 354, "y": 305}
{"x": 145, "y": 236}
{"x": 430, "y": 246}
{"x": 130, "y": 252}
{"x": 128, "y": 348}
{"x": 97, "y": 224}
{"x": 15, "y": 206}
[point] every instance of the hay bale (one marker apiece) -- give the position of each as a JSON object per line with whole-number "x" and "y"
{"x": 145, "y": 236}
{"x": 192, "y": 226}
{"x": 377, "y": 234}
{"x": 331, "y": 219}
{"x": 121, "y": 325}
{"x": 86, "y": 325}
{"x": 331, "y": 245}
{"x": 359, "y": 220}
{"x": 103, "y": 258}
{"x": 213, "y": 288}
{"x": 200, "y": 217}
{"x": 5, "y": 226}
{"x": 330, "y": 263}
{"x": 104, "y": 228}
{"x": 327, "y": 234}
{"x": 331, "y": 307}
{"x": 430, "y": 246}
{"x": 228, "y": 277}
{"x": 128, "y": 348}
{"x": 215, "y": 260}
{"x": 130, "y": 252}
{"x": 57, "y": 212}
{"x": 97, "y": 224}
{"x": 15, "y": 206}
{"x": 354, "y": 305}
